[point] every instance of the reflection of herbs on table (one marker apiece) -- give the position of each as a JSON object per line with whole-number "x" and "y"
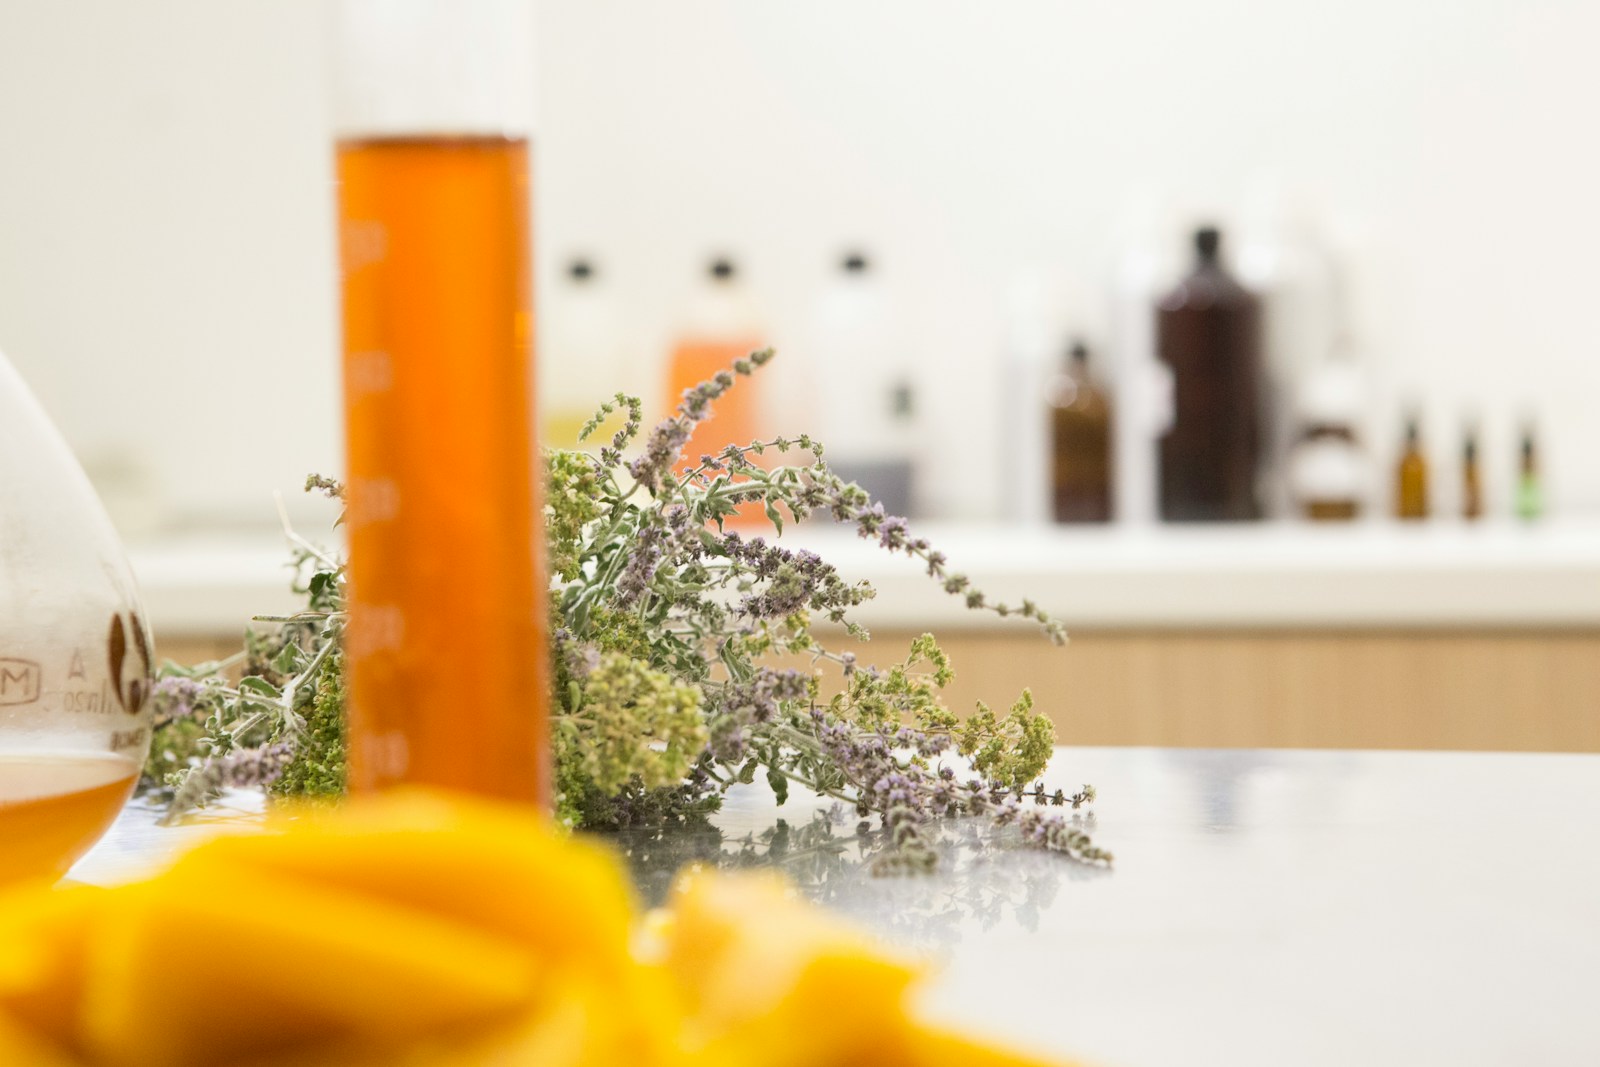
{"x": 827, "y": 863}
{"x": 685, "y": 662}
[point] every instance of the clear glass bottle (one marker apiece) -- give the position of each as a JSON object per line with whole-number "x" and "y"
{"x": 447, "y": 651}
{"x": 75, "y": 653}
{"x": 1080, "y": 443}
{"x": 1208, "y": 332}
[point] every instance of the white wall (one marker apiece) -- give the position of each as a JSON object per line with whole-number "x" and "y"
{"x": 165, "y": 249}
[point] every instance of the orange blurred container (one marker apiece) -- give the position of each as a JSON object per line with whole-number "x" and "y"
{"x": 723, "y": 326}
{"x": 447, "y": 649}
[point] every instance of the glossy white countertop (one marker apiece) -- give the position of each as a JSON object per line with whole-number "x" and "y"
{"x": 1266, "y": 908}
{"x": 1370, "y": 574}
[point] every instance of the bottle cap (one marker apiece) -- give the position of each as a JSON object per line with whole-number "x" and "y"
{"x": 722, "y": 269}
{"x": 1078, "y": 354}
{"x": 1207, "y": 242}
{"x": 1332, "y": 394}
{"x": 580, "y": 270}
{"x": 854, "y": 263}
{"x": 902, "y": 400}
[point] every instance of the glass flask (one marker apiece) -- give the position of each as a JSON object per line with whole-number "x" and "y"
{"x": 446, "y": 653}
{"x": 75, "y": 653}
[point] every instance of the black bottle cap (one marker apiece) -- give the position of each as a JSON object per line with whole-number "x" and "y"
{"x": 854, "y": 263}
{"x": 1207, "y": 242}
{"x": 1413, "y": 432}
{"x": 902, "y": 400}
{"x": 580, "y": 270}
{"x": 1078, "y": 354}
{"x": 722, "y": 269}
{"x": 1469, "y": 447}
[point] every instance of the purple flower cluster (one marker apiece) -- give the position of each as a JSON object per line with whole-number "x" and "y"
{"x": 579, "y": 659}
{"x": 736, "y": 706}
{"x": 256, "y": 767}
{"x": 910, "y": 794}
{"x": 794, "y": 580}
{"x": 643, "y": 559}
{"x": 663, "y": 448}
{"x": 177, "y": 697}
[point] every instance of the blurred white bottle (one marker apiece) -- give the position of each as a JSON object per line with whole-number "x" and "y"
{"x": 1283, "y": 260}
{"x": 583, "y": 358}
{"x": 1328, "y": 467}
{"x": 1145, "y": 267}
{"x": 1035, "y": 332}
{"x": 865, "y": 401}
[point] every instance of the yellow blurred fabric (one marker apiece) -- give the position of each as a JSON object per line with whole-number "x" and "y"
{"x": 427, "y": 930}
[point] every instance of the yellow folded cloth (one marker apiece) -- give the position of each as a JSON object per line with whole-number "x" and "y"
{"x": 426, "y": 930}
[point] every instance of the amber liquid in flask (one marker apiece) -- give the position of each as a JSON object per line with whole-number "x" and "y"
{"x": 53, "y": 807}
{"x": 447, "y": 659}
{"x": 75, "y": 654}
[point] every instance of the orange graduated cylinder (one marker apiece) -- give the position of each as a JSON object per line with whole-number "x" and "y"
{"x": 447, "y": 660}
{"x": 735, "y": 416}
{"x": 53, "y": 810}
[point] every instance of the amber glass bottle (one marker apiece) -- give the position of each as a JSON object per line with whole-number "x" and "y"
{"x": 1411, "y": 477}
{"x": 1208, "y": 332}
{"x": 1080, "y": 438}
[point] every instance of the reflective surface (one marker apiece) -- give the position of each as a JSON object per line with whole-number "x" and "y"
{"x": 1266, "y": 908}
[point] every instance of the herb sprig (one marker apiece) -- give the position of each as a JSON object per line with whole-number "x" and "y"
{"x": 685, "y": 662}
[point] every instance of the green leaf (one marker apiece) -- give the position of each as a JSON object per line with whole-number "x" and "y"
{"x": 255, "y": 685}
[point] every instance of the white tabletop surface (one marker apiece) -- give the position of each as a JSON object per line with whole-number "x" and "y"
{"x": 1266, "y": 907}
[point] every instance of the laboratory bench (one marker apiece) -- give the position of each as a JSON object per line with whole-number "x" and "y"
{"x": 1369, "y": 635}
{"x": 1264, "y": 907}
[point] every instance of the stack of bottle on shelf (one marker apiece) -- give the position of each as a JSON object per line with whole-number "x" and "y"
{"x": 854, "y": 389}
{"x": 1221, "y": 444}
{"x": 1230, "y": 402}
{"x": 1412, "y": 497}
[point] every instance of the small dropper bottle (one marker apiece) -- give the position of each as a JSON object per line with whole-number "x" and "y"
{"x": 1471, "y": 478}
{"x": 1411, "y": 477}
{"x": 1530, "y": 494}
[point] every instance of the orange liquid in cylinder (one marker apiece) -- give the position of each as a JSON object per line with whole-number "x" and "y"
{"x": 446, "y": 655}
{"x": 54, "y": 807}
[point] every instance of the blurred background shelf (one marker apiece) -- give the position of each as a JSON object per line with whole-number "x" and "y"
{"x": 1371, "y": 636}
{"x": 1369, "y": 575}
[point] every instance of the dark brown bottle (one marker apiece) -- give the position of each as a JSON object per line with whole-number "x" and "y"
{"x": 1080, "y": 442}
{"x": 1471, "y": 479}
{"x": 1208, "y": 332}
